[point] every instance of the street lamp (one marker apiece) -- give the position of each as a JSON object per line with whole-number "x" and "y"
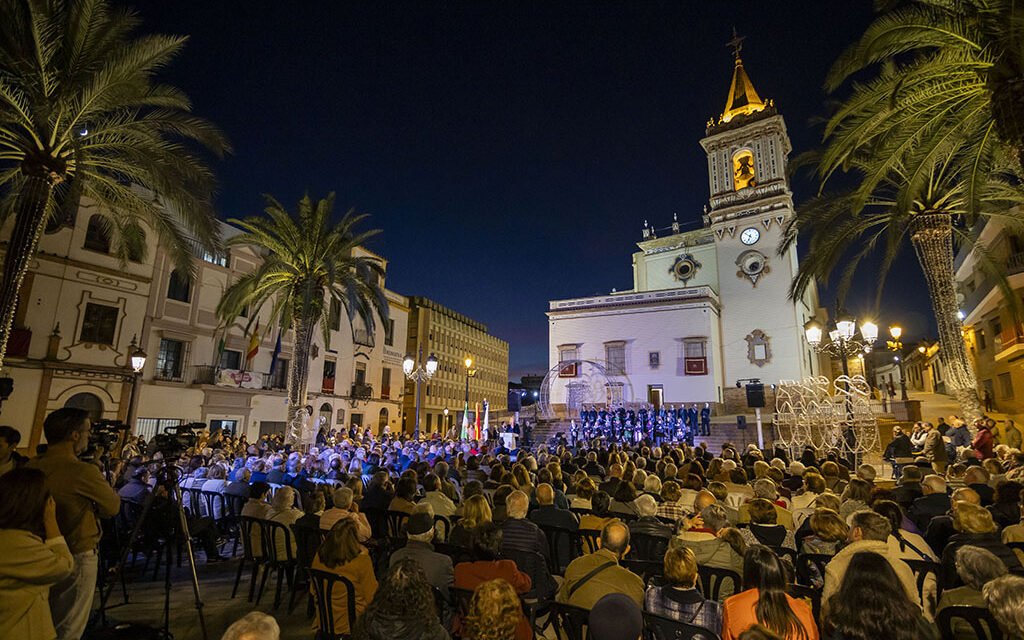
{"x": 137, "y": 358}
{"x": 896, "y": 345}
{"x": 446, "y": 425}
{"x": 418, "y": 373}
{"x": 470, "y": 372}
{"x": 843, "y": 342}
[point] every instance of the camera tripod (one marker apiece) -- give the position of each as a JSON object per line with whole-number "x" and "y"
{"x": 168, "y": 478}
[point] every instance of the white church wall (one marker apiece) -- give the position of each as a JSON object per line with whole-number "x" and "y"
{"x": 644, "y": 330}
{"x": 654, "y": 272}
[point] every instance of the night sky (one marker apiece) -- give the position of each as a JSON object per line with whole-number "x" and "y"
{"x": 510, "y": 151}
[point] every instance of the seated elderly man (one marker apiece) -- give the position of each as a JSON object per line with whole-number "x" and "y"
{"x": 648, "y": 524}
{"x": 869, "y": 531}
{"x": 344, "y": 508}
{"x": 519, "y": 533}
{"x": 436, "y": 566}
{"x": 934, "y": 502}
{"x": 765, "y": 488}
{"x": 593, "y": 576}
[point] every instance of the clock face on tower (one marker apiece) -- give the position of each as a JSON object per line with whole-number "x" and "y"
{"x": 750, "y": 235}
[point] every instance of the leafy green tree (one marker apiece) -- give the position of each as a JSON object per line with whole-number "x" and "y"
{"x": 83, "y": 116}
{"x": 309, "y": 262}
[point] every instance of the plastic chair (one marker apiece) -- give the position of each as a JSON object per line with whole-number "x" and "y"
{"x": 806, "y": 561}
{"x": 921, "y": 569}
{"x": 802, "y": 592}
{"x": 324, "y": 584}
{"x": 284, "y": 567}
{"x": 661, "y": 628}
{"x": 562, "y": 547}
{"x": 587, "y": 540}
{"x": 982, "y": 623}
{"x": 570, "y": 622}
{"x": 648, "y": 547}
{"x": 378, "y": 519}
{"x": 649, "y": 570}
{"x": 446, "y": 526}
{"x": 396, "y": 523}
{"x": 711, "y": 579}
{"x": 247, "y": 525}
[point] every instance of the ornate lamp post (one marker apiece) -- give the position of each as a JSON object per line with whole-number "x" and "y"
{"x": 446, "y": 425}
{"x": 843, "y": 341}
{"x": 419, "y": 373}
{"x": 138, "y": 362}
{"x": 897, "y": 345}
{"x": 470, "y": 372}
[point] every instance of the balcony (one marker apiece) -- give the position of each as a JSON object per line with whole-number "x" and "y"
{"x": 1014, "y": 265}
{"x": 1009, "y": 342}
{"x": 273, "y": 382}
{"x": 204, "y": 374}
{"x": 385, "y": 393}
{"x": 327, "y": 386}
{"x": 362, "y": 337}
{"x": 169, "y": 373}
{"x": 362, "y": 391}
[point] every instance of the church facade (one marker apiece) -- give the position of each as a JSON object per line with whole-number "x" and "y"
{"x": 709, "y": 307}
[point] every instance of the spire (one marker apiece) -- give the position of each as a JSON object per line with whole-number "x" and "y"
{"x": 743, "y": 98}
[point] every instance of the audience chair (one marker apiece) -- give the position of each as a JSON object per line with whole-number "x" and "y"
{"x": 234, "y": 505}
{"x": 273, "y": 562}
{"x": 378, "y": 519}
{"x": 569, "y": 622}
{"x": 802, "y": 592}
{"x": 804, "y": 563}
{"x": 456, "y": 553}
{"x": 588, "y": 540}
{"x": 661, "y": 628}
{"x": 580, "y": 511}
{"x": 648, "y": 547}
{"x": 396, "y": 523}
{"x": 247, "y": 525}
{"x": 562, "y": 547}
{"x": 533, "y": 564}
{"x": 324, "y": 584}
{"x": 711, "y": 579}
{"x": 921, "y": 569}
{"x": 982, "y": 623}
{"x": 649, "y": 570}
{"x": 445, "y": 528}
{"x": 786, "y": 552}
{"x": 307, "y": 542}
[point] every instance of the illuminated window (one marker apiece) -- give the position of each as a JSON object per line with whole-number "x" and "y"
{"x": 743, "y": 169}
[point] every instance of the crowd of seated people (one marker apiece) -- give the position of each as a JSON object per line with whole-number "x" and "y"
{"x": 511, "y": 544}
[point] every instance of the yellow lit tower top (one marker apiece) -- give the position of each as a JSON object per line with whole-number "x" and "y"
{"x": 743, "y": 98}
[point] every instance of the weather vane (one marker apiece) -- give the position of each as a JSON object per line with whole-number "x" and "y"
{"x": 736, "y": 43}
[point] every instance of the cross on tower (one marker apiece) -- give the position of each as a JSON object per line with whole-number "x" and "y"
{"x": 736, "y": 43}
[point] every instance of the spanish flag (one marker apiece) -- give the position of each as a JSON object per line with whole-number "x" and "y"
{"x": 254, "y": 346}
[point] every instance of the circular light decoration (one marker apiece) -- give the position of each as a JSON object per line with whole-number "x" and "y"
{"x": 684, "y": 268}
{"x": 753, "y": 264}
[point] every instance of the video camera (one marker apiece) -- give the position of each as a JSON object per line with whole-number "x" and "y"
{"x": 176, "y": 440}
{"x": 104, "y": 433}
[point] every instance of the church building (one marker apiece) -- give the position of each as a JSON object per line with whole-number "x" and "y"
{"x": 709, "y": 307}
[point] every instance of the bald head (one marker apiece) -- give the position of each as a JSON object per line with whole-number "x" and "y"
{"x": 933, "y": 484}
{"x": 615, "y": 538}
{"x": 704, "y": 498}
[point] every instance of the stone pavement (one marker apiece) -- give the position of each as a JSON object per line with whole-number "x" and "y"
{"x": 215, "y": 580}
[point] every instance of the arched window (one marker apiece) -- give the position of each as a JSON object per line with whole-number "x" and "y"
{"x": 744, "y": 174}
{"x": 97, "y": 238}
{"x": 87, "y": 402}
{"x": 325, "y": 415}
{"x": 136, "y": 255}
{"x": 179, "y": 287}
{"x": 382, "y": 420}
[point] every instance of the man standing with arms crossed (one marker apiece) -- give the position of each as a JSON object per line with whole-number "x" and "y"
{"x": 82, "y": 497}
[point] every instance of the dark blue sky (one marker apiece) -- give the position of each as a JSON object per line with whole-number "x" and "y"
{"x": 510, "y": 151}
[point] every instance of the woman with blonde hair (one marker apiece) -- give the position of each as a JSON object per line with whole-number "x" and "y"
{"x": 679, "y": 599}
{"x": 475, "y": 512}
{"x": 974, "y": 526}
{"x": 494, "y": 612}
{"x": 342, "y": 555}
{"x": 521, "y": 479}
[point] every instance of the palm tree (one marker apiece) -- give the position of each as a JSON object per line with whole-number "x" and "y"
{"x": 82, "y": 116}
{"x": 308, "y": 262}
{"x": 934, "y": 73}
{"x": 843, "y": 231}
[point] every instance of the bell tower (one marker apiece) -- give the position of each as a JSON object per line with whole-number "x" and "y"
{"x": 750, "y": 201}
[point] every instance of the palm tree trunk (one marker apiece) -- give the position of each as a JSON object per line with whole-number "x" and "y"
{"x": 932, "y": 237}
{"x": 29, "y": 221}
{"x": 298, "y": 382}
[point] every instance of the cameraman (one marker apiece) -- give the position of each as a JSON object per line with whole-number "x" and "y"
{"x": 82, "y": 497}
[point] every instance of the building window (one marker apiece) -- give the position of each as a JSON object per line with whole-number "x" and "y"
{"x": 170, "y": 360}
{"x": 179, "y": 287}
{"x": 360, "y": 373}
{"x": 385, "y": 383}
{"x": 87, "y": 402}
{"x": 97, "y": 238}
{"x": 980, "y": 336}
{"x": 615, "y": 357}
{"x": 389, "y": 333}
{"x": 1006, "y": 385}
{"x": 279, "y": 376}
{"x": 99, "y": 323}
{"x": 695, "y": 361}
{"x": 334, "y": 320}
{"x": 230, "y": 359}
{"x": 330, "y": 369}
{"x": 743, "y": 170}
